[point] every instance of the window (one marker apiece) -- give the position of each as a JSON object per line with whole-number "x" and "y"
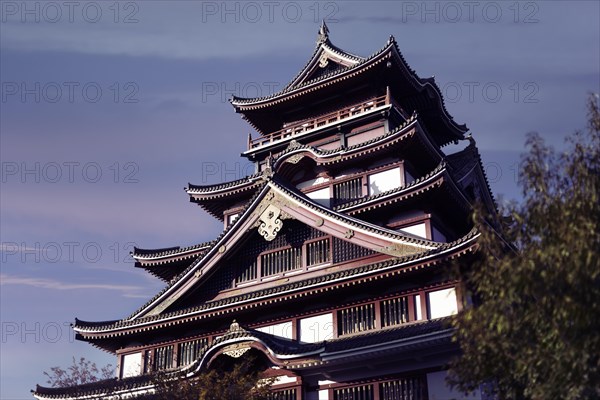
{"x": 188, "y": 352}
{"x": 162, "y": 358}
{"x": 356, "y": 319}
{"x": 247, "y": 273}
{"x": 394, "y": 311}
{"x": 347, "y": 191}
{"x": 287, "y": 394}
{"x": 281, "y": 261}
{"x": 402, "y": 389}
{"x": 364, "y": 392}
{"x": 318, "y": 252}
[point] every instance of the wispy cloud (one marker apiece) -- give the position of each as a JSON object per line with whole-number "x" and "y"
{"x": 43, "y": 283}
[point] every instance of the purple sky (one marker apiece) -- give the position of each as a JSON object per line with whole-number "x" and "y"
{"x": 109, "y": 109}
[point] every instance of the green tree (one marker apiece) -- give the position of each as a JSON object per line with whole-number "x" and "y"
{"x": 78, "y": 373}
{"x": 227, "y": 379}
{"x": 534, "y": 332}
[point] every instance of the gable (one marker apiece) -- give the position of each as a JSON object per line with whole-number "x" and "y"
{"x": 297, "y": 252}
{"x": 266, "y": 215}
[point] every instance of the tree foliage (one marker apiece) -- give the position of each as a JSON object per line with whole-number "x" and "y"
{"x": 225, "y": 380}
{"x": 534, "y": 332}
{"x": 78, "y": 373}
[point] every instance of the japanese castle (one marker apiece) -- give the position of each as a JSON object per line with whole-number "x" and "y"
{"x": 333, "y": 263}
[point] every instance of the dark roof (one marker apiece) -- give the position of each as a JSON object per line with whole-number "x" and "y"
{"x": 367, "y": 269}
{"x": 430, "y": 95}
{"x": 321, "y": 352}
{"x": 197, "y": 189}
{"x": 411, "y": 187}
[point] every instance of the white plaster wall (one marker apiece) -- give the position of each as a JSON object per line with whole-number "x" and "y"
{"x": 283, "y": 330}
{"x": 384, "y": 181}
{"x": 417, "y": 230}
{"x": 132, "y": 365}
{"x": 316, "y": 329}
{"x": 442, "y": 303}
{"x": 320, "y": 196}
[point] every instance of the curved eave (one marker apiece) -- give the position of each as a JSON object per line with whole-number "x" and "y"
{"x": 332, "y": 52}
{"x": 366, "y": 273}
{"x": 434, "y": 179}
{"x": 468, "y": 161}
{"x": 247, "y": 104}
{"x": 222, "y": 190}
{"x": 162, "y": 256}
{"x": 324, "y": 157}
{"x": 388, "y": 52}
{"x": 403, "y": 340}
{"x": 301, "y": 208}
{"x": 217, "y": 203}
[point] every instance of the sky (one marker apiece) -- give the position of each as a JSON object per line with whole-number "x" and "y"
{"x": 108, "y": 109}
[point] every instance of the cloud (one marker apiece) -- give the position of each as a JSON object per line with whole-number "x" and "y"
{"x": 52, "y": 284}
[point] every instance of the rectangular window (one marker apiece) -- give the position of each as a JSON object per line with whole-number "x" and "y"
{"x": 403, "y": 389}
{"x": 364, "y": 392}
{"x": 418, "y": 313}
{"x": 356, "y": 319}
{"x": 162, "y": 358}
{"x": 188, "y": 352}
{"x": 281, "y": 261}
{"x": 247, "y": 272}
{"x": 287, "y": 394}
{"x": 348, "y": 190}
{"x": 318, "y": 252}
{"x": 394, "y": 311}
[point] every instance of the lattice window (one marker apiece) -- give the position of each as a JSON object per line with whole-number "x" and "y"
{"x": 162, "y": 358}
{"x": 364, "y": 392}
{"x": 318, "y": 252}
{"x": 247, "y": 273}
{"x": 348, "y": 190}
{"x": 281, "y": 261}
{"x": 394, "y": 311}
{"x": 403, "y": 389}
{"x": 287, "y": 394}
{"x": 356, "y": 319}
{"x": 188, "y": 352}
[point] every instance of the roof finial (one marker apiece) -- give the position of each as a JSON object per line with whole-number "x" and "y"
{"x": 323, "y": 33}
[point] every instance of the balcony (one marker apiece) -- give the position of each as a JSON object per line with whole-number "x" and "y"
{"x": 302, "y": 127}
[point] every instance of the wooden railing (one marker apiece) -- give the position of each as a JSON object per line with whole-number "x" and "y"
{"x": 314, "y": 123}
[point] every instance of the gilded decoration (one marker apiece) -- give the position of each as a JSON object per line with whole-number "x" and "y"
{"x": 400, "y": 250}
{"x": 295, "y": 158}
{"x": 236, "y": 350}
{"x": 270, "y": 223}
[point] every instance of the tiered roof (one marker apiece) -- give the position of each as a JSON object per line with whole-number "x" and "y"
{"x": 386, "y": 67}
{"x": 403, "y": 342}
{"x": 268, "y": 199}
